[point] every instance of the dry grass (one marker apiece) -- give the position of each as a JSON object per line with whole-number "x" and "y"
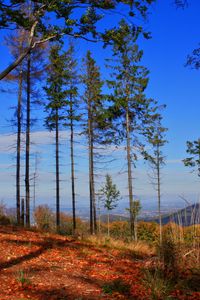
{"x": 138, "y": 248}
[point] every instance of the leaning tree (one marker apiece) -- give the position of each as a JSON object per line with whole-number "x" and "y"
{"x": 78, "y": 19}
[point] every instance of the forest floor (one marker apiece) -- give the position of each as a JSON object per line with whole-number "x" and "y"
{"x": 43, "y": 266}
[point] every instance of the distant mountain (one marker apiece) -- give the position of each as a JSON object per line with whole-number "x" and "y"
{"x": 114, "y": 217}
{"x": 185, "y": 217}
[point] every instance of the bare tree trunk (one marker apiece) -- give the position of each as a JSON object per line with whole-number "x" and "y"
{"x": 93, "y": 225}
{"x": 19, "y": 109}
{"x": 72, "y": 165}
{"x": 57, "y": 175}
{"x": 159, "y": 194}
{"x": 130, "y": 185}
{"x": 93, "y": 187}
{"x": 135, "y": 229}
{"x": 27, "y": 176}
{"x": 90, "y": 179}
{"x": 22, "y": 212}
{"x": 99, "y": 219}
{"x": 108, "y": 223}
{"x": 34, "y": 181}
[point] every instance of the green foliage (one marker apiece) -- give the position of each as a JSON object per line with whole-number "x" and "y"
{"x": 155, "y": 281}
{"x": 116, "y": 286}
{"x": 51, "y": 21}
{"x": 128, "y": 83}
{"x": 120, "y": 230}
{"x": 72, "y": 79}
{"x": 109, "y": 194}
{"x": 55, "y": 88}
{"x": 168, "y": 251}
{"x": 134, "y": 209}
{"x": 22, "y": 277}
{"x": 155, "y": 134}
{"x": 93, "y": 96}
{"x": 66, "y": 225}
{"x": 80, "y": 17}
{"x": 193, "y": 148}
{"x": 147, "y": 231}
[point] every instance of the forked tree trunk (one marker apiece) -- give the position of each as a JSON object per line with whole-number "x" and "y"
{"x": 27, "y": 171}
{"x": 72, "y": 165}
{"x": 57, "y": 174}
{"x": 130, "y": 185}
{"x": 18, "y": 160}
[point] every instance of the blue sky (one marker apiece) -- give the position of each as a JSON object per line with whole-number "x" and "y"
{"x": 175, "y": 33}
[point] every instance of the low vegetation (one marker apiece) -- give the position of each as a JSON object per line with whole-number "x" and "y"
{"x": 39, "y": 264}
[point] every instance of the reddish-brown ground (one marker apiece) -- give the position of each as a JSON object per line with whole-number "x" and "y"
{"x": 42, "y": 266}
{"x": 56, "y": 267}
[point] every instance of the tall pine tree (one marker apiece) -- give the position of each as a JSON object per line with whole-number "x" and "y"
{"x": 72, "y": 115}
{"x": 56, "y": 95}
{"x": 130, "y": 109}
{"x": 156, "y": 159}
{"x": 93, "y": 99}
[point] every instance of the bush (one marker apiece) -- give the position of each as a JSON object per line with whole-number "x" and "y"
{"x": 170, "y": 255}
{"x": 4, "y": 220}
{"x": 119, "y": 229}
{"x": 66, "y": 225}
{"x": 44, "y": 218}
{"x": 147, "y": 231}
{"x": 7, "y": 215}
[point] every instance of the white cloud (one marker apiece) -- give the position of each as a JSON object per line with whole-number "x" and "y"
{"x": 174, "y": 161}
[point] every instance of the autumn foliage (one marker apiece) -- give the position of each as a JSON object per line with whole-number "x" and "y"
{"x": 42, "y": 265}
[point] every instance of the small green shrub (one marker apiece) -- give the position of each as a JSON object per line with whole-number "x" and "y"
{"x": 169, "y": 253}
{"x": 116, "y": 286}
{"x": 154, "y": 280}
{"x": 22, "y": 277}
{"x": 147, "y": 231}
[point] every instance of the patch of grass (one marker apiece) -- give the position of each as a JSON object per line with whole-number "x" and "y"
{"x": 140, "y": 249}
{"x": 159, "y": 285}
{"x": 23, "y": 278}
{"x": 117, "y": 286}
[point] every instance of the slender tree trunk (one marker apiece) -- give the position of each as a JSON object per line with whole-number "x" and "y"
{"x": 135, "y": 229}
{"x": 99, "y": 219}
{"x": 108, "y": 223}
{"x": 93, "y": 187}
{"x": 18, "y": 166}
{"x": 22, "y": 212}
{"x": 72, "y": 165}
{"x": 27, "y": 176}
{"x": 159, "y": 194}
{"x": 130, "y": 185}
{"x": 13, "y": 65}
{"x": 90, "y": 177}
{"x": 34, "y": 182}
{"x": 93, "y": 225}
{"x": 57, "y": 175}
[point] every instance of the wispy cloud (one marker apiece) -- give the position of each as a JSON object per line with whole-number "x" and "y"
{"x": 174, "y": 161}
